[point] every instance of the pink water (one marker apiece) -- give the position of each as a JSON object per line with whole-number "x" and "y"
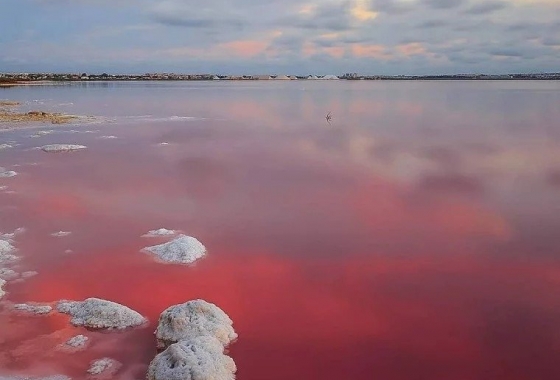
{"x": 414, "y": 237}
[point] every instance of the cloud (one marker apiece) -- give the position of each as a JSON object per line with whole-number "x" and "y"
{"x": 486, "y": 7}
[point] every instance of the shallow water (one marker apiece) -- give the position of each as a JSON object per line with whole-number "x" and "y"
{"x": 413, "y": 237}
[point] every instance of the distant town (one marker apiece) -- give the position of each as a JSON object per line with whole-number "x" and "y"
{"x": 7, "y": 78}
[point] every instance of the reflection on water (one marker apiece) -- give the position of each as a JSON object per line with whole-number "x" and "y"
{"x": 415, "y": 237}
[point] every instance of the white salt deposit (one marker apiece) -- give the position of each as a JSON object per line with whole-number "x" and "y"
{"x": 5, "y": 146}
{"x": 79, "y": 341}
{"x": 160, "y": 232}
{"x": 193, "y": 319}
{"x": 29, "y": 274}
{"x": 163, "y": 143}
{"x": 53, "y": 148}
{"x": 181, "y": 250}
{"x": 7, "y": 173}
{"x": 8, "y": 274}
{"x": 33, "y": 309}
{"x": 104, "y": 368}
{"x": 107, "y": 137}
{"x": 61, "y": 234}
{"x": 100, "y": 314}
{"x": 3, "y": 188}
{"x": 68, "y": 251}
{"x": 6, "y": 250}
{"x": 200, "y": 358}
{"x": 2, "y": 292}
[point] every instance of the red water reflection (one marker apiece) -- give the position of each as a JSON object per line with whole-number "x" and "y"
{"x": 333, "y": 261}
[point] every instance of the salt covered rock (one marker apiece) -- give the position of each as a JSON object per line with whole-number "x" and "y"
{"x": 181, "y": 250}
{"x": 61, "y": 234}
{"x": 193, "y": 319}
{"x": 200, "y": 358}
{"x": 100, "y": 314}
{"x": 104, "y": 368}
{"x": 160, "y": 232}
{"x": 33, "y": 309}
{"x": 77, "y": 342}
{"x": 53, "y": 148}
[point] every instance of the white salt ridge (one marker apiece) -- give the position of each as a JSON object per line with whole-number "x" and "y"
{"x": 33, "y": 309}
{"x": 100, "y": 314}
{"x": 104, "y": 368}
{"x": 163, "y": 143}
{"x": 200, "y": 358}
{"x": 181, "y": 250}
{"x": 160, "y": 232}
{"x": 61, "y": 234}
{"x": 53, "y": 148}
{"x": 5, "y": 146}
{"x": 77, "y": 342}
{"x": 194, "y": 319}
{"x": 107, "y": 137}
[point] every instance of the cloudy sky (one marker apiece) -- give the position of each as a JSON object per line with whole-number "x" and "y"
{"x": 288, "y": 36}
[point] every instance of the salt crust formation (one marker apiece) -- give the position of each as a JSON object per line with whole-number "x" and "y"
{"x": 6, "y": 249}
{"x": 104, "y": 368}
{"x": 100, "y": 314}
{"x": 53, "y": 148}
{"x": 181, "y": 250}
{"x": 7, "y": 173}
{"x": 160, "y": 232}
{"x": 2, "y": 292}
{"x": 200, "y": 358}
{"x": 193, "y": 319}
{"x": 79, "y": 341}
{"x": 33, "y": 309}
{"x": 193, "y": 335}
{"x": 61, "y": 234}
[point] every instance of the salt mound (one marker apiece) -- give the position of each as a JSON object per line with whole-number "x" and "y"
{"x": 8, "y": 274}
{"x": 160, "y": 232}
{"x": 181, "y": 250}
{"x": 6, "y": 250}
{"x": 194, "y": 319}
{"x": 7, "y": 173}
{"x": 200, "y": 358}
{"x": 77, "y": 342}
{"x": 33, "y": 309}
{"x": 62, "y": 148}
{"x": 2, "y": 292}
{"x": 61, "y": 234}
{"x": 104, "y": 368}
{"x": 100, "y": 314}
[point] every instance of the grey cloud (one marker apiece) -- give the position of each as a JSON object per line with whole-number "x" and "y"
{"x": 392, "y": 7}
{"x": 433, "y": 24}
{"x": 443, "y": 4}
{"x": 486, "y": 7}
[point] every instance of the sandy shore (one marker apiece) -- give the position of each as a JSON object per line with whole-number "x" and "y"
{"x": 34, "y": 116}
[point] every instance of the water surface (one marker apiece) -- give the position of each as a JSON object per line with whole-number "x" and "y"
{"x": 415, "y": 237}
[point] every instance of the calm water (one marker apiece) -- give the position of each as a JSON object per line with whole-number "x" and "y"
{"x": 413, "y": 238}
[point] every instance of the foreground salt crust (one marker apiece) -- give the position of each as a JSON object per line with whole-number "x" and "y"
{"x": 100, "y": 314}
{"x": 181, "y": 250}
{"x": 199, "y": 358}
{"x": 55, "y": 377}
{"x": 194, "y": 319}
{"x": 53, "y": 148}
{"x": 160, "y": 232}
{"x": 33, "y": 309}
{"x": 104, "y": 368}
